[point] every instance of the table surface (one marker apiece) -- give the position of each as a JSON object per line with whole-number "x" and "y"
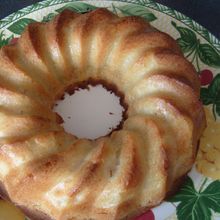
{"x": 205, "y": 12}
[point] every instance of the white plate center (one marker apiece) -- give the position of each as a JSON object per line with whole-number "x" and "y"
{"x": 90, "y": 113}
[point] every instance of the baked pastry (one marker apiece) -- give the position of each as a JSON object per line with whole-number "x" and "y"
{"x": 50, "y": 174}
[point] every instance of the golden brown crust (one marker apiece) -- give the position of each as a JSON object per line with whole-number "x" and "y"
{"x": 50, "y": 174}
{"x": 34, "y": 214}
{"x": 3, "y": 192}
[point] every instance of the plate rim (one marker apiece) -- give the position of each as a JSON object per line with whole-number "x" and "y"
{"x": 189, "y": 22}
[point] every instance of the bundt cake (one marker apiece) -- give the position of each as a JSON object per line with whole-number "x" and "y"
{"x": 53, "y": 175}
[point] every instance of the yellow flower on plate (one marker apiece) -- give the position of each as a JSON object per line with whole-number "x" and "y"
{"x": 9, "y": 212}
{"x": 208, "y": 159}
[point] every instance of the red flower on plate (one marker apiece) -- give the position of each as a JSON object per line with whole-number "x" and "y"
{"x": 206, "y": 77}
{"x": 146, "y": 216}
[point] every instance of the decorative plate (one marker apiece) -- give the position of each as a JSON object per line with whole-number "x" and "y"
{"x": 199, "y": 198}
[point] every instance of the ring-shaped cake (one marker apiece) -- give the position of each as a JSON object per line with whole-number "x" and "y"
{"x": 51, "y": 174}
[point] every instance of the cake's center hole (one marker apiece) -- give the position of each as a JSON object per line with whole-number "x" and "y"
{"x": 90, "y": 113}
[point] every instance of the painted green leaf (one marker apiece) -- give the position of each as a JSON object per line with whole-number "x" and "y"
{"x": 185, "y": 33}
{"x": 193, "y": 210}
{"x": 214, "y": 93}
{"x": 187, "y": 40}
{"x": 214, "y": 87}
{"x": 197, "y": 205}
{"x": 217, "y": 101}
{"x": 4, "y": 40}
{"x": 79, "y": 7}
{"x": 187, "y": 192}
{"x": 209, "y": 55}
{"x": 217, "y": 107}
{"x": 212, "y": 195}
{"x": 211, "y": 95}
{"x": 185, "y": 45}
{"x": 19, "y": 26}
{"x": 206, "y": 98}
{"x": 48, "y": 17}
{"x": 137, "y": 10}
